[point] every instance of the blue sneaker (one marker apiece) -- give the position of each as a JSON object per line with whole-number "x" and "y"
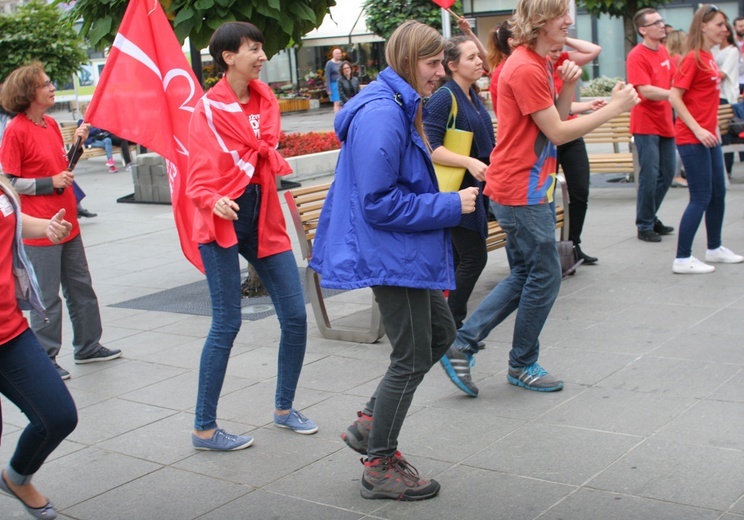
{"x": 534, "y": 377}
{"x": 457, "y": 366}
{"x": 222, "y": 441}
{"x": 295, "y": 421}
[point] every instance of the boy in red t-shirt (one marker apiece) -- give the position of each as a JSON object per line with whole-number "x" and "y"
{"x": 649, "y": 68}
{"x": 520, "y": 183}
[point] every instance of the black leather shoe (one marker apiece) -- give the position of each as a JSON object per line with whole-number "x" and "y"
{"x": 82, "y": 212}
{"x": 661, "y": 229}
{"x": 649, "y": 236}
{"x": 588, "y": 260}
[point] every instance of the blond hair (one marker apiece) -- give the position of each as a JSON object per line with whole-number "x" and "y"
{"x": 531, "y": 15}
{"x": 410, "y": 42}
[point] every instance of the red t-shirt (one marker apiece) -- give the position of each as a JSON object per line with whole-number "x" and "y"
{"x": 34, "y": 152}
{"x": 12, "y": 322}
{"x": 701, "y": 81}
{"x": 493, "y": 88}
{"x": 645, "y": 66}
{"x": 523, "y": 164}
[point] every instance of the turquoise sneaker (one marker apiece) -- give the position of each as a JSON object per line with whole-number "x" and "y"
{"x": 534, "y": 377}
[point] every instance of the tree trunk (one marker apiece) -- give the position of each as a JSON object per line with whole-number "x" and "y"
{"x": 630, "y": 34}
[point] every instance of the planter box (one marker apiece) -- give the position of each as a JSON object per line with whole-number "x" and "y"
{"x": 313, "y": 165}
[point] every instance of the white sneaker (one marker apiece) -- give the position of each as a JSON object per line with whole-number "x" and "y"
{"x": 723, "y": 255}
{"x": 691, "y": 266}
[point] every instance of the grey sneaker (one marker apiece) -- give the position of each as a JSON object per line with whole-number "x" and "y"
{"x": 222, "y": 441}
{"x": 102, "y": 354}
{"x": 457, "y": 366}
{"x": 64, "y": 374}
{"x": 534, "y": 377}
{"x": 356, "y": 436}
{"x": 396, "y": 479}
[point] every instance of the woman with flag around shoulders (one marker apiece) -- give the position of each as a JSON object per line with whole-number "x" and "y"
{"x": 231, "y": 179}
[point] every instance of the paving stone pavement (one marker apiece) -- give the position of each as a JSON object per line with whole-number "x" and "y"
{"x": 649, "y": 424}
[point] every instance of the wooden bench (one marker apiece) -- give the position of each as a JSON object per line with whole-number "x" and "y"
{"x": 68, "y": 136}
{"x": 305, "y": 205}
{"x": 615, "y": 135}
{"x": 731, "y": 143}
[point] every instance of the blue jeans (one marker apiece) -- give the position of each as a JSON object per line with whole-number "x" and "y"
{"x": 107, "y": 146}
{"x": 281, "y": 279}
{"x": 29, "y": 380}
{"x": 707, "y": 185}
{"x": 530, "y": 289}
{"x": 657, "y": 163}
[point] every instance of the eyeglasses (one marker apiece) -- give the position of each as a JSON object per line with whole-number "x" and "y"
{"x": 46, "y": 84}
{"x": 660, "y": 23}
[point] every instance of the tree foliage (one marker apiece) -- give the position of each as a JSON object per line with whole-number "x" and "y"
{"x": 282, "y": 22}
{"x": 624, "y": 9}
{"x": 384, "y": 16}
{"x": 36, "y": 32}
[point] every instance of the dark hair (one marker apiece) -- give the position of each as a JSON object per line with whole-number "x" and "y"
{"x": 19, "y": 88}
{"x": 344, "y": 64}
{"x": 738, "y": 19}
{"x": 229, "y": 37}
{"x": 498, "y": 44}
{"x": 730, "y": 36}
{"x": 453, "y": 51}
{"x": 639, "y": 19}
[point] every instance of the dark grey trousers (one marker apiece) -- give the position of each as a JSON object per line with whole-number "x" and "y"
{"x": 420, "y": 327}
{"x": 66, "y": 265}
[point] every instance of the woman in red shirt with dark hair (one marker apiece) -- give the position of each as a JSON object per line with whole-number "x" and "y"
{"x": 694, "y": 97}
{"x": 28, "y": 378}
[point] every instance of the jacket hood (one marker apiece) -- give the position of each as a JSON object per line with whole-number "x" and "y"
{"x": 388, "y": 86}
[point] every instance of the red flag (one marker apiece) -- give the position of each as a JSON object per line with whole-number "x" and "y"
{"x": 146, "y": 94}
{"x": 444, "y": 4}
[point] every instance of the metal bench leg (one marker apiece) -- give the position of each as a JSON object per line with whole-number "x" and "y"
{"x": 376, "y": 329}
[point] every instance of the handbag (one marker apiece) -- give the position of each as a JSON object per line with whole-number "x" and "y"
{"x": 450, "y": 178}
{"x": 736, "y": 126}
{"x": 569, "y": 257}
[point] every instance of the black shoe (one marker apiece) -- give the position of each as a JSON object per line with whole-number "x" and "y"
{"x": 661, "y": 229}
{"x": 649, "y": 236}
{"x": 102, "y": 354}
{"x": 82, "y": 212}
{"x": 588, "y": 260}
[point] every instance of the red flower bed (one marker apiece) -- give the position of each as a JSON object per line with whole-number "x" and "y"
{"x": 297, "y": 143}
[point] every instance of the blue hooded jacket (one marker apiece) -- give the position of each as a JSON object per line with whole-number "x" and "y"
{"x": 384, "y": 221}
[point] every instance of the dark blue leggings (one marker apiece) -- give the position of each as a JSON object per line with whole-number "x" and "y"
{"x": 29, "y": 380}
{"x": 707, "y": 186}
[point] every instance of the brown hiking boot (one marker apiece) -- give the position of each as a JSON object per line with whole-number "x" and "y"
{"x": 356, "y": 436}
{"x": 395, "y": 478}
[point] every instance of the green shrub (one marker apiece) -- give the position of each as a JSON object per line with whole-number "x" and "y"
{"x": 599, "y": 87}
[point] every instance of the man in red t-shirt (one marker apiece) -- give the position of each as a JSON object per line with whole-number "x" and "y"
{"x": 649, "y": 69}
{"x": 520, "y": 184}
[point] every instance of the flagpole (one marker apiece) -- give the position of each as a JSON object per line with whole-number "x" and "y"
{"x": 446, "y": 24}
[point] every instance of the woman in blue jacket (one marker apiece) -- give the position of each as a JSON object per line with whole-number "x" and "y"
{"x": 384, "y": 226}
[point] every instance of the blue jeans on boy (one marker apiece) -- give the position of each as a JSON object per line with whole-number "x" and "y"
{"x": 281, "y": 279}
{"x": 707, "y": 185}
{"x": 657, "y": 163}
{"x": 530, "y": 289}
{"x": 107, "y": 146}
{"x": 29, "y": 380}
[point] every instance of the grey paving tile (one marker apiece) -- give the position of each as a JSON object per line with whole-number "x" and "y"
{"x": 618, "y": 411}
{"x": 526, "y": 452}
{"x": 262, "y": 504}
{"x": 338, "y": 373}
{"x": 699, "y": 476}
{"x": 260, "y": 363}
{"x": 583, "y": 367}
{"x": 164, "y": 494}
{"x": 709, "y": 423}
{"x": 475, "y": 493}
{"x": 275, "y": 453}
{"x": 731, "y": 390}
{"x": 588, "y": 504}
{"x": 452, "y": 435}
{"x": 704, "y": 345}
{"x": 86, "y": 474}
{"x": 121, "y": 376}
{"x": 662, "y": 376}
{"x": 635, "y": 338}
{"x": 113, "y": 417}
{"x": 726, "y": 321}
